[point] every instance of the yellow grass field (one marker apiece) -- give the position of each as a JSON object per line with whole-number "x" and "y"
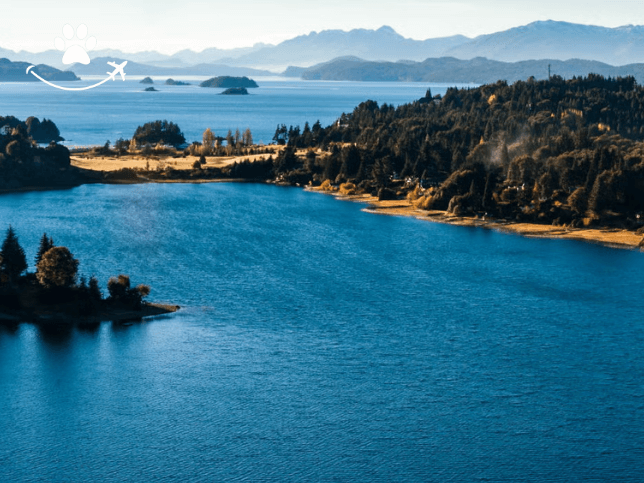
{"x": 113, "y": 163}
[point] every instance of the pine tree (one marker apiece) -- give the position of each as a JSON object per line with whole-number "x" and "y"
{"x": 46, "y": 244}
{"x": 14, "y": 261}
{"x": 94, "y": 290}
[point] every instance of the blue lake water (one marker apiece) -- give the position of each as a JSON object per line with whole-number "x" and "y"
{"x": 115, "y": 109}
{"x": 321, "y": 343}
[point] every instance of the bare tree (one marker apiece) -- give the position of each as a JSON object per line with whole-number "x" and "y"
{"x": 208, "y": 142}
{"x": 247, "y": 137}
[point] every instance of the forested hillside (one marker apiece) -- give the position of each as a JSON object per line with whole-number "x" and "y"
{"x": 568, "y": 152}
{"x": 25, "y": 164}
{"x": 451, "y": 70}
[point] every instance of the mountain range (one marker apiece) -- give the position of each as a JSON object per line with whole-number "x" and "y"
{"x": 536, "y": 41}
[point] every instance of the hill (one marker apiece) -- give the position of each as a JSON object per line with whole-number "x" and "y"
{"x": 17, "y": 72}
{"x": 452, "y": 70}
{"x": 553, "y": 152}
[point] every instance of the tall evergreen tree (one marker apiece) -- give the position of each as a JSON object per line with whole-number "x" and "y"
{"x": 46, "y": 244}
{"x": 14, "y": 261}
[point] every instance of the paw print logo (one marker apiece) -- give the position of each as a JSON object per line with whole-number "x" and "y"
{"x": 77, "y": 52}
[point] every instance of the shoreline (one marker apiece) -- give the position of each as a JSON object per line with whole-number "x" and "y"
{"x": 59, "y": 318}
{"x": 609, "y": 237}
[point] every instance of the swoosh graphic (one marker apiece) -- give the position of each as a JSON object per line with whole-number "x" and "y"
{"x": 66, "y": 88}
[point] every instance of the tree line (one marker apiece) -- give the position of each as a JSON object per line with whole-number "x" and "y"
{"x": 56, "y": 282}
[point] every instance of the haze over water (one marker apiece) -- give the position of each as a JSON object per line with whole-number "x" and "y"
{"x": 321, "y": 343}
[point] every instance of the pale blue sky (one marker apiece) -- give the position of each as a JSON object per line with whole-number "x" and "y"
{"x": 168, "y": 26}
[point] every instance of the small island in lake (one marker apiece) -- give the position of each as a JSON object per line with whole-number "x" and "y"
{"x": 227, "y": 82}
{"x": 172, "y": 82}
{"x": 150, "y": 89}
{"x": 147, "y": 80}
{"x": 235, "y": 91}
{"x": 54, "y": 294}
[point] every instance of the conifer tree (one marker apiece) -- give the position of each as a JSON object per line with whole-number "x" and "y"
{"x": 14, "y": 261}
{"x": 94, "y": 289}
{"x": 46, "y": 243}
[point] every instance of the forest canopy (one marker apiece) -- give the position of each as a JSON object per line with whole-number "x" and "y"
{"x": 554, "y": 151}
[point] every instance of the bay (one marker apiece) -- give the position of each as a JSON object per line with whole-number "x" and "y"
{"x": 318, "y": 342}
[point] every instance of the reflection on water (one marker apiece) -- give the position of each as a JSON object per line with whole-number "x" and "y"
{"x": 321, "y": 343}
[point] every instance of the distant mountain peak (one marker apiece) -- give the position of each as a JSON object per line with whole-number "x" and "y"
{"x": 386, "y": 29}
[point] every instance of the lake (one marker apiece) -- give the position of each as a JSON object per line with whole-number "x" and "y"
{"x": 318, "y": 342}
{"x": 115, "y": 109}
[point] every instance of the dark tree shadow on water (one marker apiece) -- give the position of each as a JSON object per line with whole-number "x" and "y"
{"x": 123, "y": 325}
{"x": 9, "y": 328}
{"x": 88, "y": 327}
{"x": 56, "y": 334}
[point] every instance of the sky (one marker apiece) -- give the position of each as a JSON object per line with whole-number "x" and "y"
{"x": 170, "y": 26}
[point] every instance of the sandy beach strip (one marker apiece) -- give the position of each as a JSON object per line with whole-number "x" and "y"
{"x": 612, "y": 237}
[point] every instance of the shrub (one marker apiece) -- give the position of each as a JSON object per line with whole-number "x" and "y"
{"x": 121, "y": 292}
{"x": 57, "y": 268}
{"x": 347, "y": 189}
{"x": 327, "y": 186}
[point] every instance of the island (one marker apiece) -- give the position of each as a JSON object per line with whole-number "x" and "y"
{"x": 147, "y": 80}
{"x": 150, "y": 89}
{"x": 228, "y": 82}
{"x": 55, "y": 294}
{"x": 17, "y": 72}
{"x": 172, "y": 82}
{"x": 235, "y": 91}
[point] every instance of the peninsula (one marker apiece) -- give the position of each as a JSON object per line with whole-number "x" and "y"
{"x": 54, "y": 293}
{"x": 16, "y": 72}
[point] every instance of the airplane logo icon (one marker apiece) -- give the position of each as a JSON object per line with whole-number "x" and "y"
{"x": 118, "y": 69}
